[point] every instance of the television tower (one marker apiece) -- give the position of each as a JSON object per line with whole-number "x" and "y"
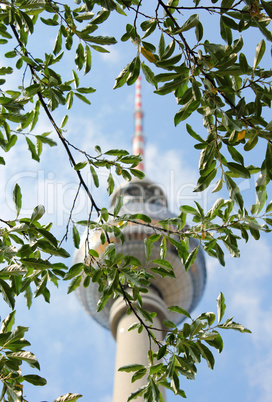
{"x": 146, "y": 197}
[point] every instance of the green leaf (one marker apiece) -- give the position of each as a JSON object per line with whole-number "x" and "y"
{"x": 104, "y": 214}
{"x": 206, "y": 354}
{"x": 229, "y": 324}
{"x": 101, "y": 17}
{"x": 269, "y": 207}
{"x": 49, "y": 21}
{"x": 87, "y": 59}
{"x": 239, "y": 170}
{"x": 199, "y": 31}
{"x": 110, "y": 184}
{"x": 139, "y": 374}
{"x": 169, "y": 324}
{"x": 234, "y": 191}
{"x": 117, "y": 152}
{"x": 80, "y": 165}
{"x": 162, "y": 263}
{"x": 7, "y": 293}
{"x": 8, "y": 322}
{"x": 163, "y": 272}
{"x": 131, "y": 368}
{"x": 138, "y": 392}
{"x": 193, "y": 133}
{"x": 35, "y": 379}
{"x": 45, "y": 140}
{"x": 267, "y": 6}
{"x": 118, "y": 205}
{"x": 94, "y": 176}
{"x": 192, "y": 21}
{"x": 58, "y": 43}
{"x": 149, "y": 75}
{"x": 37, "y": 213}
{"x": 27, "y": 357}
{"x": 137, "y": 173}
{"x": 32, "y": 149}
{"x": 148, "y": 246}
{"x": 186, "y": 110}
{"x": 76, "y": 237}
{"x": 79, "y": 60}
{"x": 75, "y": 282}
{"x": 188, "y": 209}
{"x": 48, "y": 235}
{"x": 122, "y": 77}
{"x": 101, "y": 40}
{"x": 82, "y": 98}
{"x": 17, "y": 198}
{"x": 221, "y": 306}
{"x": 260, "y": 49}
{"x": 191, "y": 258}
{"x": 179, "y": 310}
{"x": 68, "y": 398}
{"x": 36, "y": 263}
{"x": 204, "y": 181}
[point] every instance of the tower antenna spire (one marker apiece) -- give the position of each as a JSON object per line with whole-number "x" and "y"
{"x": 138, "y": 137}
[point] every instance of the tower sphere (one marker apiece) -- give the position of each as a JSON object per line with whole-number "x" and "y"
{"x": 146, "y": 197}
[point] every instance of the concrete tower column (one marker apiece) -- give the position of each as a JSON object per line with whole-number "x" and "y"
{"x": 132, "y": 347}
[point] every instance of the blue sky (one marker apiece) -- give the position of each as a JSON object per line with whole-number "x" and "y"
{"x": 75, "y": 353}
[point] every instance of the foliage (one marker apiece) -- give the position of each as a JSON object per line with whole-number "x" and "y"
{"x": 214, "y": 80}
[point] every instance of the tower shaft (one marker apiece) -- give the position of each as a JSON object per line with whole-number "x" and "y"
{"x": 132, "y": 347}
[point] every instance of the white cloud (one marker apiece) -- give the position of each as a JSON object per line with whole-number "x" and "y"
{"x": 113, "y": 57}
